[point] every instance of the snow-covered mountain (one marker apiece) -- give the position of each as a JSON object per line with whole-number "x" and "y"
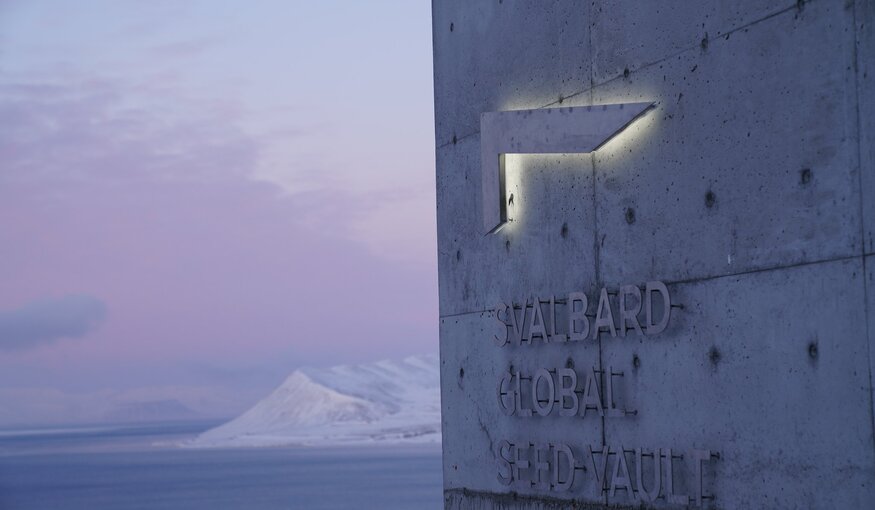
{"x": 387, "y": 401}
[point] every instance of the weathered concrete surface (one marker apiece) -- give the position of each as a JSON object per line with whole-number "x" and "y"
{"x": 772, "y": 369}
{"x": 627, "y": 37}
{"x": 750, "y": 190}
{"x": 467, "y": 35}
{"x": 471, "y": 366}
{"x": 784, "y": 122}
{"x": 471, "y": 500}
{"x": 865, "y": 37}
{"x": 870, "y": 324}
{"x": 481, "y": 270}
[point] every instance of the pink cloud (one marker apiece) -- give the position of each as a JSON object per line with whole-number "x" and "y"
{"x": 156, "y": 214}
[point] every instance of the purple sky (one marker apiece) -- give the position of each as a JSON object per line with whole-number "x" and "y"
{"x": 199, "y": 197}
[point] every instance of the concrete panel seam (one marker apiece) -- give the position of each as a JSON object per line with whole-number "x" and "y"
{"x": 513, "y": 498}
{"x": 595, "y": 214}
{"x": 860, "y": 170}
{"x": 712, "y": 277}
{"x": 457, "y": 139}
{"x": 593, "y": 86}
{"x": 765, "y": 269}
{"x": 720, "y": 35}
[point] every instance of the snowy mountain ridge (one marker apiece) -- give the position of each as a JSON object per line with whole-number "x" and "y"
{"x": 386, "y": 401}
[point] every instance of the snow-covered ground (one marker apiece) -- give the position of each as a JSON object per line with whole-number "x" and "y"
{"x": 387, "y": 401}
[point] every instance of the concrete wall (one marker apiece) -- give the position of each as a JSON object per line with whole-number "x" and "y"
{"x": 749, "y": 191}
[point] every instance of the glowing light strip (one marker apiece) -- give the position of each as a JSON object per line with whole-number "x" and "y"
{"x": 542, "y": 131}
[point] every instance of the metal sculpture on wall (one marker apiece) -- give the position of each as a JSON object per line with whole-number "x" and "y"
{"x": 542, "y": 131}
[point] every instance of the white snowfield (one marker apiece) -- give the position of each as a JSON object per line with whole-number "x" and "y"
{"x": 387, "y": 401}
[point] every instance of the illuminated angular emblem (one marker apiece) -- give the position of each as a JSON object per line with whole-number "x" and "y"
{"x": 542, "y": 131}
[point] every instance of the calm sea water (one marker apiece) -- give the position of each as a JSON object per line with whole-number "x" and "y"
{"x": 121, "y": 468}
